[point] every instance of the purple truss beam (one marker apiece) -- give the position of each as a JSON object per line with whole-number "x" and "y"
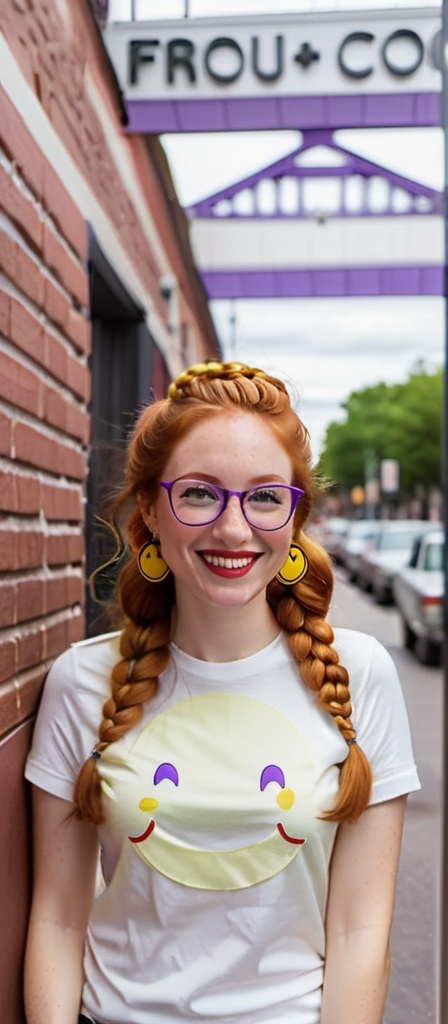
{"x": 380, "y": 110}
{"x": 348, "y": 281}
{"x": 287, "y": 167}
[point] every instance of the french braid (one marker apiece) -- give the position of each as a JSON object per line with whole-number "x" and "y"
{"x": 301, "y": 610}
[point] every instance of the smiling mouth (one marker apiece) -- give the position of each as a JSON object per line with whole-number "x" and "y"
{"x": 228, "y": 564}
{"x": 151, "y": 825}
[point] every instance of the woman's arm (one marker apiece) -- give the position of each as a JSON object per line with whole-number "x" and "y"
{"x": 359, "y": 915}
{"x": 65, "y": 865}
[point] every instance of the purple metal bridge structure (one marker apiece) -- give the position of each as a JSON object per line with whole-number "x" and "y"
{"x": 322, "y": 221}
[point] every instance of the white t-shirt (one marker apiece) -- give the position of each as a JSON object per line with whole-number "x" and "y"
{"x": 214, "y": 858}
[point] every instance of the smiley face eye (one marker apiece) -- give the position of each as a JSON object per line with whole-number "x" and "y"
{"x": 166, "y": 771}
{"x": 272, "y": 773}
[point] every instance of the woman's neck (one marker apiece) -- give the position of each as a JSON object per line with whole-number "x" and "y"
{"x": 224, "y": 634}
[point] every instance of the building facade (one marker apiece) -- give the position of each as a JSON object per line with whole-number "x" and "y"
{"x": 100, "y": 305}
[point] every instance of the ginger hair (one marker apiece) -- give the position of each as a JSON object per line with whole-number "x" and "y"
{"x": 300, "y": 609}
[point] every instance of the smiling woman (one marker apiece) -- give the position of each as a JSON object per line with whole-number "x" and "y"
{"x": 211, "y": 750}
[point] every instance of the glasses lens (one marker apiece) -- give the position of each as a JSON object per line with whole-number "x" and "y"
{"x": 195, "y": 502}
{"x": 268, "y": 507}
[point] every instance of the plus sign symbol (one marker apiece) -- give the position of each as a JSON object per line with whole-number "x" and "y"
{"x": 306, "y": 55}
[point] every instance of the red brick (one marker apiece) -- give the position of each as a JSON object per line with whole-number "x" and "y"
{"x": 20, "y": 210}
{"x": 65, "y": 267}
{"x": 55, "y": 409}
{"x": 7, "y": 659}
{"x": 19, "y": 386}
{"x": 21, "y": 146}
{"x": 76, "y": 626}
{"x": 19, "y": 493}
{"x": 78, "y": 379}
{"x": 62, "y": 503}
{"x": 78, "y": 423}
{"x": 56, "y": 358}
{"x": 8, "y": 256}
{"x": 5, "y": 314}
{"x": 34, "y": 448}
{"x": 60, "y": 412}
{"x": 56, "y": 303}
{"x": 8, "y": 603}
{"x": 8, "y": 550}
{"x": 30, "y": 599}
{"x": 29, "y": 277}
{"x": 28, "y": 491}
{"x": 30, "y": 549}
{"x": 78, "y": 328}
{"x": 64, "y": 549}
{"x": 56, "y": 594}
{"x": 5, "y": 435}
{"x": 30, "y": 649}
{"x": 75, "y": 589}
{"x": 64, "y": 212}
{"x": 21, "y": 549}
{"x": 27, "y": 332}
{"x": 56, "y": 638}
{"x": 20, "y": 697}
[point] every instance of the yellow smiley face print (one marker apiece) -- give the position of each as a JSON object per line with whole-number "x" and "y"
{"x": 216, "y": 785}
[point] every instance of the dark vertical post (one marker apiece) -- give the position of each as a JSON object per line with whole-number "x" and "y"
{"x": 443, "y": 959}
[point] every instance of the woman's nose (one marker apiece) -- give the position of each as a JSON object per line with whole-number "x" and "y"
{"x": 231, "y": 522}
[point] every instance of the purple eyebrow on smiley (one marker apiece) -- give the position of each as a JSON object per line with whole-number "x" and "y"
{"x": 272, "y": 773}
{"x": 166, "y": 771}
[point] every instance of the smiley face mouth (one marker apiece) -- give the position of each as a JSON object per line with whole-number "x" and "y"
{"x": 144, "y": 835}
{"x": 151, "y": 825}
{"x": 287, "y": 838}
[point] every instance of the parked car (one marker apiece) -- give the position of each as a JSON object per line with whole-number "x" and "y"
{"x": 332, "y": 534}
{"x": 418, "y": 592}
{"x": 360, "y": 533}
{"x": 389, "y": 551}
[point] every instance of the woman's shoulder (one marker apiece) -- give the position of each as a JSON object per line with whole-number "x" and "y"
{"x": 84, "y": 664}
{"x": 364, "y": 657}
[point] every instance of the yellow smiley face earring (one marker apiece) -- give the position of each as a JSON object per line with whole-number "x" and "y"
{"x": 151, "y": 562}
{"x": 295, "y": 567}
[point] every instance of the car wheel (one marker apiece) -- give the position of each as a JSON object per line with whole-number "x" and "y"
{"x": 427, "y": 651}
{"x": 382, "y": 594}
{"x": 409, "y": 637}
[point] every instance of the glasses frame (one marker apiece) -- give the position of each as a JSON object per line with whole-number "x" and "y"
{"x": 225, "y": 494}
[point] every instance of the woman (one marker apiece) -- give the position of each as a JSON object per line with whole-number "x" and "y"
{"x": 249, "y": 822}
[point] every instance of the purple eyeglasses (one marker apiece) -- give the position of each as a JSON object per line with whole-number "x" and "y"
{"x": 265, "y": 507}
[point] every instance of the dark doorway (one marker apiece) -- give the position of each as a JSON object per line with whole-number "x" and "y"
{"x": 126, "y": 368}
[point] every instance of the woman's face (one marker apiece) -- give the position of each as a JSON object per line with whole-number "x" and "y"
{"x": 226, "y": 563}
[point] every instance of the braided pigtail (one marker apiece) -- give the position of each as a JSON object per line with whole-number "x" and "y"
{"x": 301, "y": 611}
{"x": 134, "y": 679}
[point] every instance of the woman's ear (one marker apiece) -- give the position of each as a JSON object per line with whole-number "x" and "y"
{"x": 147, "y": 513}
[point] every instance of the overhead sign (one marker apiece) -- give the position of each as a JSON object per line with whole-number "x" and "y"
{"x": 341, "y": 69}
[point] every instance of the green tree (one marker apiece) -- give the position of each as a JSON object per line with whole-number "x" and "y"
{"x": 398, "y": 421}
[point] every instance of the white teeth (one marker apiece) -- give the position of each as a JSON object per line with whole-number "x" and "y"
{"x": 227, "y": 563}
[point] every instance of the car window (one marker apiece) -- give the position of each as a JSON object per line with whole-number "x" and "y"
{"x": 434, "y": 557}
{"x": 396, "y": 540}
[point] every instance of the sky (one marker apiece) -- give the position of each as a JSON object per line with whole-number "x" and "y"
{"x": 327, "y": 348}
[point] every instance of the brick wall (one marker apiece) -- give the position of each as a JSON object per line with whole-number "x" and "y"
{"x": 44, "y": 425}
{"x": 65, "y": 162}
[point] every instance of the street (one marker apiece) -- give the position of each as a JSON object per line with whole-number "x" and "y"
{"x": 413, "y": 988}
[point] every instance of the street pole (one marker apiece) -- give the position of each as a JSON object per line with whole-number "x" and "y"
{"x": 443, "y": 959}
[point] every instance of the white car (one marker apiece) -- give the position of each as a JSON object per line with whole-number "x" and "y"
{"x": 360, "y": 533}
{"x": 388, "y": 552}
{"x": 419, "y": 597}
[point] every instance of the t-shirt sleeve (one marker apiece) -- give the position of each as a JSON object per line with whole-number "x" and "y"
{"x": 382, "y": 724}
{"x": 65, "y": 731}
